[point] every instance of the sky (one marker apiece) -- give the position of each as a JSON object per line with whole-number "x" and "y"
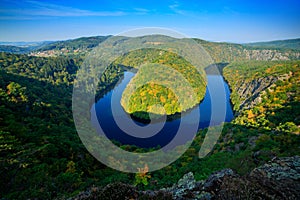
{"x": 213, "y": 20}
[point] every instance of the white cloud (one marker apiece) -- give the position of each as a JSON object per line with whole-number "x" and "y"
{"x": 175, "y": 8}
{"x": 28, "y": 9}
{"x": 142, "y": 10}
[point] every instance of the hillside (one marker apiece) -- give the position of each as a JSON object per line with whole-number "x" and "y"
{"x": 68, "y": 47}
{"x": 220, "y": 52}
{"x": 57, "y": 71}
{"x": 265, "y": 94}
{"x": 278, "y": 44}
{"x": 138, "y": 99}
{"x": 14, "y": 49}
{"x": 78, "y": 43}
{"x": 230, "y": 52}
{"x": 42, "y": 156}
{"x": 21, "y": 47}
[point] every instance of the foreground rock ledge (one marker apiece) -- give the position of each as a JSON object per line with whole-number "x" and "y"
{"x": 277, "y": 179}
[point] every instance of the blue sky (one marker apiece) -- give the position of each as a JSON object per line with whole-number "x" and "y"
{"x": 214, "y": 20}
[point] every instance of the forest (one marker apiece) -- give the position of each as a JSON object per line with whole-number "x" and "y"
{"x": 164, "y": 85}
{"x": 277, "y": 106}
{"x": 42, "y": 156}
{"x": 278, "y": 44}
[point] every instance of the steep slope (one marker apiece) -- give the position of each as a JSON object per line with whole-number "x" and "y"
{"x": 262, "y": 89}
{"x": 229, "y": 52}
{"x": 56, "y": 70}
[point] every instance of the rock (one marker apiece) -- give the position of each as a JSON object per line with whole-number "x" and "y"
{"x": 93, "y": 191}
{"x": 184, "y": 185}
{"x": 121, "y": 191}
{"x": 204, "y": 196}
{"x": 216, "y": 177}
{"x": 259, "y": 156}
{"x": 155, "y": 195}
{"x": 187, "y": 182}
{"x": 279, "y": 169}
{"x": 250, "y": 92}
{"x": 116, "y": 191}
{"x": 237, "y": 147}
{"x": 268, "y": 54}
{"x": 277, "y": 179}
{"x": 252, "y": 140}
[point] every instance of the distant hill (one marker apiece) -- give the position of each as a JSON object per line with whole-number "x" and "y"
{"x": 21, "y": 47}
{"x": 79, "y": 43}
{"x": 14, "y": 49}
{"x": 79, "y": 46}
{"x": 219, "y": 51}
{"x": 282, "y": 44}
{"x": 229, "y": 52}
{"x": 82, "y": 45}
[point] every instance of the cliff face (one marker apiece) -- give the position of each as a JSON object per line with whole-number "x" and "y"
{"x": 250, "y": 80}
{"x": 267, "y": 54}
{"x": 250, "y": 92}
{"x": 228, "y": 52}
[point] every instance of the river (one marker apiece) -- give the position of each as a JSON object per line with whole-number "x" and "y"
{"x": 101, "y": 112}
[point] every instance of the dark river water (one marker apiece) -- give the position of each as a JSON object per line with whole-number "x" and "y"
{"x": 101, "y": 113}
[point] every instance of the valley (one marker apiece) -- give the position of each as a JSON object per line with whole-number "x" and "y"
{"x": 42, "y": 156}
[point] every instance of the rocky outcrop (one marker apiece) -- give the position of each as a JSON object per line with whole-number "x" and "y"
{"x": 111, "y": 191}
{"x": 184, "y": 185}
{"x": 214, "y": 178}
{"x": 121, "y": 191}
{"x": 250, "y": 92}
{"x": 188, "y": 188}
{"x": 277, "y": 179}
{"x": 268, "y": 54}
{"x": 280, "y": 169}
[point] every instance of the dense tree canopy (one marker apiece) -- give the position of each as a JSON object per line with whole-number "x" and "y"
{"x": 42, "y": 157}
{"x": 161, "y": 83}
{"x": 277, "y": 106}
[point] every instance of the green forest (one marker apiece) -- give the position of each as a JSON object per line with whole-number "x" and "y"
{"x": 167, "y": 86}
{"x": 278, "y": 104}
{"x": 42, "y": 156}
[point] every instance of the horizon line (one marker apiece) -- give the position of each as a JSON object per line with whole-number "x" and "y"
{"x": 107, "y": 35}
